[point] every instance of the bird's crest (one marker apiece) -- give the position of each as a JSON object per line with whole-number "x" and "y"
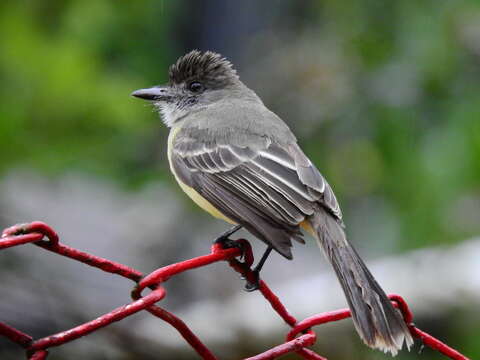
{"x": 208, "y": 67}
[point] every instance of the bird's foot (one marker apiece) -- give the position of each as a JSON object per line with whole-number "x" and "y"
{"x": 253, "y": 278}
{"x": 254, "y": 283}
{"x": 226, "y": 243}
{"x": 224, "y": 239}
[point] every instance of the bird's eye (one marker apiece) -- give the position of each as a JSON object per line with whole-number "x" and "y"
{"x": 196, "y": 87}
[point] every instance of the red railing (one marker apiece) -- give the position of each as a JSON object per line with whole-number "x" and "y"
{"x": 298, "y": 339}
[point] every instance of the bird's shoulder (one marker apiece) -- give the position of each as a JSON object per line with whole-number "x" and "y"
{"x": 239, "y": 123}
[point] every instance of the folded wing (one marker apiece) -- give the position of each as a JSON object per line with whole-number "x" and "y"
{"x": 267, "y": 188}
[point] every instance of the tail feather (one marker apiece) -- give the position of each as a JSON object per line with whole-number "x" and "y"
{"x": 378, "y": 323}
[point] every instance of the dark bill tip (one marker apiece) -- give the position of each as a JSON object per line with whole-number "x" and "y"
{"x": 154, "y": 93}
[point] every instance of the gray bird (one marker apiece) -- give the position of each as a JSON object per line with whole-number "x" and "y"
{"x": 241, "y": 163}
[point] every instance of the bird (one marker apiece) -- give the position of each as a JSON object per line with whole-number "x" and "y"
{"x": 241, "y": 163}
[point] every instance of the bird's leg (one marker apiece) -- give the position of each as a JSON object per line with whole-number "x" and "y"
{"x": 224, "y": 239}
{"x": 264, "y": 257}
{"x": 252, "y": 286}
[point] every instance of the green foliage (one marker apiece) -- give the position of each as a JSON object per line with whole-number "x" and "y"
{"x": 67, "y": 70}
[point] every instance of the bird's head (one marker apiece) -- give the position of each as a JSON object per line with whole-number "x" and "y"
{"x": 196, "y": 80}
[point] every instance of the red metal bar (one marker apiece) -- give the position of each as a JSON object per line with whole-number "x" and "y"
{"x": 436, "y": 344}
{"x": 317, "y": 320}
{"x": 39, "y": 355}
{"x": 184, "y": 331}
{"x": 17, "y": 235}
{"x": 426, "y": 339}
{"x": 98, "y": 323}
{"x": 164, "y": 273}
{"x": 310, "y": 355}
{"x": 276, "y": 304}
{"x": 15, "y": 335}
{"x": 10, "y": 237}
{"x": 244, "y": 268}
{"x": 10, "y": 241}
{"x": 30, "y": 228}
{"x": 92, "y": 260}
{"x": 299, "y": 337}
{"x": 288, "y": 347}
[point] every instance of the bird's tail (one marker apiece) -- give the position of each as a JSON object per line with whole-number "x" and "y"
{"x": 378, "y": 323}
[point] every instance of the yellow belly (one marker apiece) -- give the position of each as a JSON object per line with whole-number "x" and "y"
{"x": 191, "y": 192}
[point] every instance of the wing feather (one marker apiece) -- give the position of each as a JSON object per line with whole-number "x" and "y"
{"x": 269, "y": 189}
{"x": 252, "y": 218}
{"x": 318, "y": 186}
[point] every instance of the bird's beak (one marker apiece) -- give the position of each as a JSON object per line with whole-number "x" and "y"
{"x": 156, "y": 93}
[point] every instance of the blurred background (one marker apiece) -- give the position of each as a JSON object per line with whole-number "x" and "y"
{"x": 383, "y": 96}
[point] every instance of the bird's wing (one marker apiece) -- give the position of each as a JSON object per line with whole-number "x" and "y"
{"x": 264, "y": 187}
{"x": 311, "y": 177}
